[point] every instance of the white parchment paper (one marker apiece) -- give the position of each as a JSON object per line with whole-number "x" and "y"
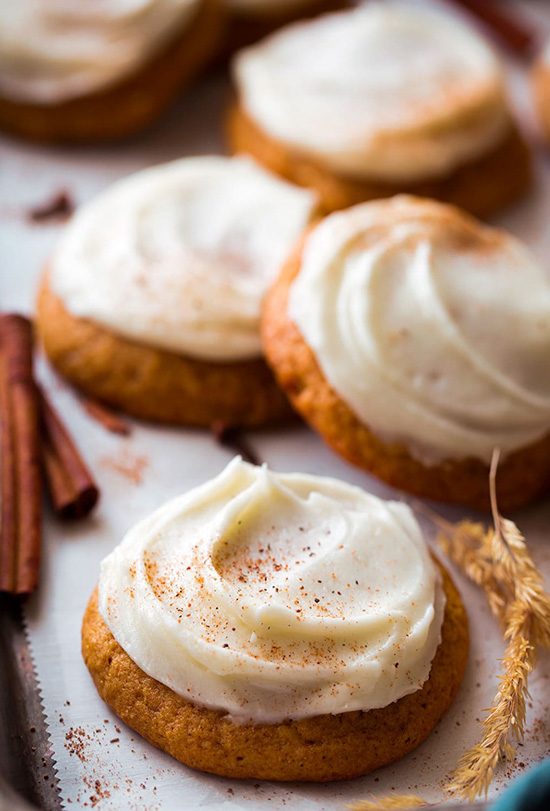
{"x": 100, "y": 762}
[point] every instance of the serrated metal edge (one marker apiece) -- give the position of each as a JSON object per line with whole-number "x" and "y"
{"x": 32, "y": 735}
{"x": 47, "y": 758}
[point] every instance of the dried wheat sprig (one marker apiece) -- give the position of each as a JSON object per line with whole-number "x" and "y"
{"x": 497, "y": 560}
{"x": 505, "y": 719}
{"x": 389, "y": 803}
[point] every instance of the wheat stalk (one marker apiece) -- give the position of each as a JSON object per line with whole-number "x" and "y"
{"x": 389, "y": 803}
{"x": 498, "y": 561}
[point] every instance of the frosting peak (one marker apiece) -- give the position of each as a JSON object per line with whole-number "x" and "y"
{"x": 433, "y": 328}
{"x": 179, "y": 256}
{"x": 275, "y": 596}
{"x": 399, "y": 93}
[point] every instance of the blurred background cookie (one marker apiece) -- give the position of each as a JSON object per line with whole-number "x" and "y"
{"x": 74, "y": 72}
{"x": 386, "y": 98}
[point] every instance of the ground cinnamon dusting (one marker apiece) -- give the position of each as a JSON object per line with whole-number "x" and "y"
{"x": 129, "y": 466}
{"x": 103, "y": 776}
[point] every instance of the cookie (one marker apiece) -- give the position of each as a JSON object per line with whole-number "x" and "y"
{"x": 151, "y": 302}
{"x": 403, "y": 100}
{"x": 228, "y": 691}
{"x": 51, "y": 92}
{"x": 153, "y": 384}
{"x": 482, "y": 186}
{"x": 328, "y": 747}
{"x": 392, "y": 338}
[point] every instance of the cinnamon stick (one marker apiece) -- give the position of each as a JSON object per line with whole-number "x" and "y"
{"x": 109, "y": 419}
{"x": 510, "y": 29}
{"x": 21, "y": 496}
{"x": 72, "y": 490}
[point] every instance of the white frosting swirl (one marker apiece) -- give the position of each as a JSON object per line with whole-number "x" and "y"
{"x": 388, "y": 91}
{"x": 433, "y": 328}
{"x": 273, "y": 596}
{"x": 179, "y": 256}
{"x": 55, "y": 50}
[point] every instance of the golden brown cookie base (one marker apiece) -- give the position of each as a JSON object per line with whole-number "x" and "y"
{"x": 154, "y": 384}
{"x": 540, "y": 79}
{"x": 522, "y": 476}
{"x": 481, "y": 187}
{"x": 243, "y": 29}
{"x": 327, "y": 747}
{"x": 129, "y": 105}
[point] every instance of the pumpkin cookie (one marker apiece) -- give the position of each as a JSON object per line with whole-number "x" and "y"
{"x": 312, "y": 638}
{"x": 75, "y": 74}
{"x": 379, "y": 100}
{"x": 151, "y": 302}
{"x": 416, "y": 341}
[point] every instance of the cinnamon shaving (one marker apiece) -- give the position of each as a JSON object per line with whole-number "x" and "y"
{"x": 58, "y": 208}
{"x": 109, "y": 419}
{"x": 231, "y": 437}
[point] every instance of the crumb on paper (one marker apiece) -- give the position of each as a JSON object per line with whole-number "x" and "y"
{"x": 103, "y": 778}
{"x": 57, "y": 208}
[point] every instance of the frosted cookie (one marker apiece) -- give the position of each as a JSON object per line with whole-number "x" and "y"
{"x": 250, "y": 20}
{"x": 382, "y": 99}
{"x": 94, "y": 71}
{"x": 151, "y": 301}
{"x": 278, "y": 627}
{"x": 416, "y": 341}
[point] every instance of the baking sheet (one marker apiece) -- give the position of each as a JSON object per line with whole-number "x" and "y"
{"x": 100, "y": 763}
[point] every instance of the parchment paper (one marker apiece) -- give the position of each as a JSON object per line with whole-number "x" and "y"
{"x": 100, "y": 762}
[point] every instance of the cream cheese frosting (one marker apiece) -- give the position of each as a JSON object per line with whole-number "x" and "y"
{"x": 434, "y": 329}
{"x": 179, "y": 256}
{"x": 388, "y": 91}
{"x": 55, "y": 50}
{"x": 274, "y": 596}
